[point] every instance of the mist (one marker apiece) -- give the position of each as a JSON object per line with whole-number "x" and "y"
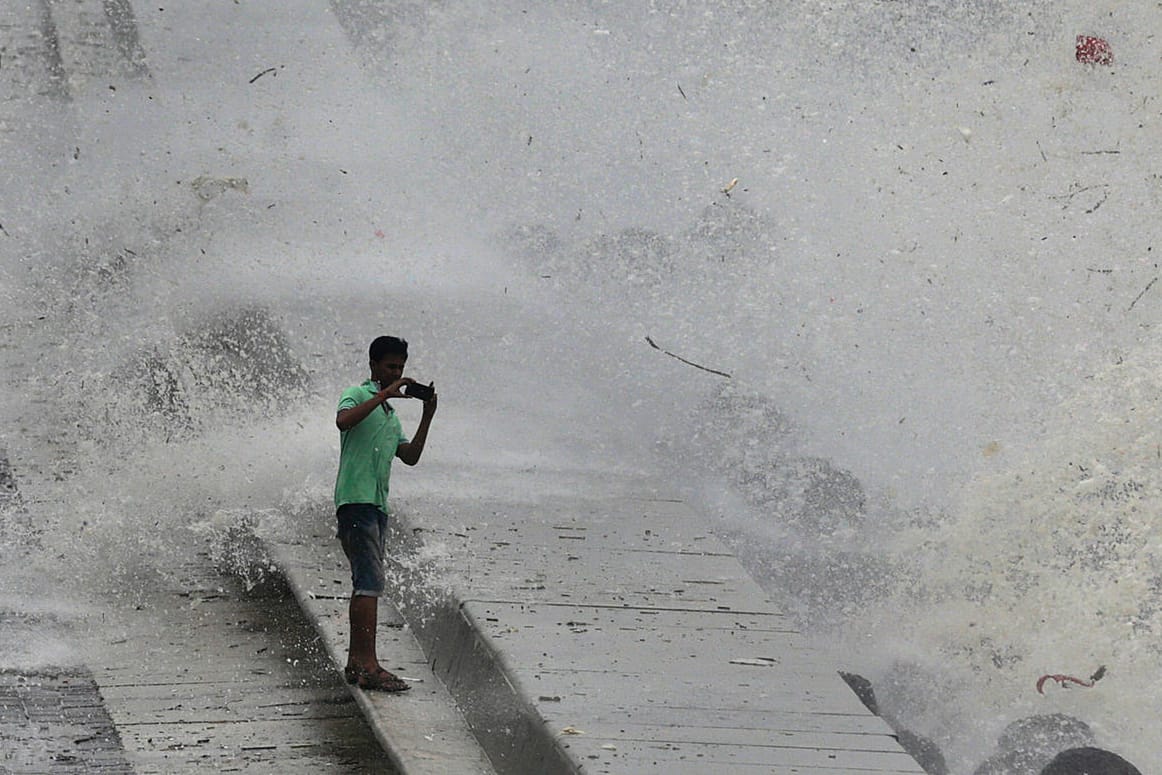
{"x": 872, "y": 284}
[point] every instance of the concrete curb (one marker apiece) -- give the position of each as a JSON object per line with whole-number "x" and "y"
{"x": 391, "y": 746}
{"x": 422, "y": 731}
{"x": 507, "y": 725}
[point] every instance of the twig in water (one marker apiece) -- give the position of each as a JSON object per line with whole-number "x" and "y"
{"x": 1105, "y": 195}
{"x": 688, "y": 363}
{"x": 1074, "y": 190}
{"x": 264, "y": 72}
{"x": 1149, "y": 285}
{"x": 682, "y": 93}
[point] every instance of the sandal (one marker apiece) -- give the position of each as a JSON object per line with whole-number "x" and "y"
{"x": 379, "y": 681}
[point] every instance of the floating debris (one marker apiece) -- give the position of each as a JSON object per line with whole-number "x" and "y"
{"x": 1094, "y": 51}
{"x": 1149, "y": 285}
{"x": 1064, "y": 680}
{"x": 755, "y": 661}
{"x": 267, "y": 71}
{"x": 688, "y": 363}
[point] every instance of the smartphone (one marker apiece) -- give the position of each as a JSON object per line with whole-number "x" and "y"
{"x": 416, "y": 390}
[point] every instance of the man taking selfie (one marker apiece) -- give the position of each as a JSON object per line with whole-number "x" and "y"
{"x": 370, "y": 438}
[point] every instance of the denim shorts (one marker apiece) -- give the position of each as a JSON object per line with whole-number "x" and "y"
{"x": 363, "y": 531}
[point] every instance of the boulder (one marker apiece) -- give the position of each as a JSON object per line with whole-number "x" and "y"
{"x": 1089, "y": 761}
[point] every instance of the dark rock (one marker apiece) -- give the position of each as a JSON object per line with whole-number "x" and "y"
{"x": 537, "y": 243}
{"x": 832, "y": 498}
{"x": 159, "y": 390}
{"x": 810, "y": 494}
{"x": 1048, "y": 734}
{"x": 1029, "y": 744}
{"x": 636, "y": 256}
{"x": 1012, "y": 763}
{"x": 242, "y": 357}
{"x": 17, "y": 530}
{"x": 1089, "y": 761}
{"x": 726, "y": 229}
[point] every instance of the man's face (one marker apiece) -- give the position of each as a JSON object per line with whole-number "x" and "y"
{"x": 388, "y": 369}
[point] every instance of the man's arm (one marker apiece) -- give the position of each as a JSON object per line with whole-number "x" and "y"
{"x": 348, "y": 418}
{"x": 411, "y": 451}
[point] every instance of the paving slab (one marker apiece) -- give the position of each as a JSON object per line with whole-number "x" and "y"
{"x": 205, "y": 676}
{"x": 55, "y": 721}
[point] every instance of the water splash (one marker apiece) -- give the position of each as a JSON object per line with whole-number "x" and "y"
{"x": 933, "y": 286}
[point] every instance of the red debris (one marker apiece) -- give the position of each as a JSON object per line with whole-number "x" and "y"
{"x": 1061, "y": 679}
{"x": 1065, "y": 680}
{"x": 1094, "y": 51}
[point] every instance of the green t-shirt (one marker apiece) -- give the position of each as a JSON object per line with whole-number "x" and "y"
{"x": 366, "y": 451}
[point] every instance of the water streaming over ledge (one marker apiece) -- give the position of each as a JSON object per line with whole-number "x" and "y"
{"x": 918, "y": 237}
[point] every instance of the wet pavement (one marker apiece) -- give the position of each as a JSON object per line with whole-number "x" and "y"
{"x": 193, "y": 672}
{"x": 206, "y": 676}
{"x": 200, "y": 676}
{"x": 600, "y": 627}
{"x": 55, "y": 721}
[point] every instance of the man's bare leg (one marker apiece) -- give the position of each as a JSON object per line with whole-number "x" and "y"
{"x": 363, "y": 668}
{"x": 363, "y": 613}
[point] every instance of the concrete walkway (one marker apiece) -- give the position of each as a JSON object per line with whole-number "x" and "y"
{"x": 611, "y": 634}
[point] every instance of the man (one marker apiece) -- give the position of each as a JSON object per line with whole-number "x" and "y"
{"x": 370, "y": 437}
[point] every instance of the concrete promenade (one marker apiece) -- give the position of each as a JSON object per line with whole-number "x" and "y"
{"x": 605, "y": 634}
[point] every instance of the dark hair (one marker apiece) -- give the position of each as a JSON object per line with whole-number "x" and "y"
{"x": 388, "y": 345}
